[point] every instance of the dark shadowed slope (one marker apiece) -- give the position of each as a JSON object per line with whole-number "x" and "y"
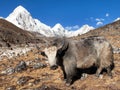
{"x": 11, "y": 34}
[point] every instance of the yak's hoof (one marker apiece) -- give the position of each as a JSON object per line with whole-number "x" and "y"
{"x": 67, "y": 84}
{"x": 84, "y": 75}
{"x": 100, "y": 76}
{"x": 111, "y": 77}
{"x": 97, "y": 75}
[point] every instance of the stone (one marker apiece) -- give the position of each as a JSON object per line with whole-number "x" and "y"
{"x": 38, "y": 59}
{"x": 21, "y": 66}
{"x": 11, "y": 88}
{"x": 116, "y": 50}
{"x": 36, "y": 81}
{"x": 23, "y": 80}
{"x": 8, "y": 71}
{"x": 39, "y": 65}
{"x": 28, "y": 63}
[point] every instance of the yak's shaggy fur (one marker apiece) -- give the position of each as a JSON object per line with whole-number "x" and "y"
{"x": 81, "y": 54}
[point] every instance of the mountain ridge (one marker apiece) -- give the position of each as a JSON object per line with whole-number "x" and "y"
{"x": 110, "y": 31}
{"x": 23, "y": 19}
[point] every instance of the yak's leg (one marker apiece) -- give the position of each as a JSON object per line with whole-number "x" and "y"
{"x": 64, "y": 74}
{"x": 69, "y": 79}
{"x": 99, "y": 69}
{"x": 109, "y": 72}
{"x": 70, "y": 70}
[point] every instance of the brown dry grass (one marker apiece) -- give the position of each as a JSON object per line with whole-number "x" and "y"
{"x": 54, "y": 78}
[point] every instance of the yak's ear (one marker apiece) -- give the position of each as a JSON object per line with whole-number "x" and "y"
{"x": 65, "y": 45}
{"x": 63, "y": 49}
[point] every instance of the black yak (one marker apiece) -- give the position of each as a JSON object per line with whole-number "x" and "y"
{"x": 80, "y": 54}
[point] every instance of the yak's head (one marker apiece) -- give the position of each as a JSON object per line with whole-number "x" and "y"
{"x": 51, "y": 55}
{"x": 52, "y": 51}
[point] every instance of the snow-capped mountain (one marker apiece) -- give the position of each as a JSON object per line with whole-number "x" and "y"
{"x": 59, "y": 30}
{"x": 84, "y": 29}
{"x": 23, "y": 19}
{"x": 117, "y": 19}
{"x": 1, "y": 17}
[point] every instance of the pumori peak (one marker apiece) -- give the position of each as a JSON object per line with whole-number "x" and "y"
{"x": 23, "y": 19}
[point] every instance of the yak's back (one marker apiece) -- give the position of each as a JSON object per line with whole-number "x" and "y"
{"x": 93, "y": 39}
{"x": 97, "y": 45}
{"x": 89, "y": 45}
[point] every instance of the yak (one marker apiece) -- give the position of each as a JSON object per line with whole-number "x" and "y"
{"x": 71, "y": 55}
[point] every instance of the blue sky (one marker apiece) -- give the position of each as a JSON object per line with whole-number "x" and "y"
{"x": 70, "y": 13}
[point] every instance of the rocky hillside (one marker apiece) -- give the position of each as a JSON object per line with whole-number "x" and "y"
{"x": 12, "y": 35}
{"x": 110, "y": 31}
{"x": 31, "y": 71}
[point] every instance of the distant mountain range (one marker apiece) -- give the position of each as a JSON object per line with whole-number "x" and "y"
{"x": 23, "y": 19}
{"x": 110, "y": 31}
{"x": 12, "y": 33}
